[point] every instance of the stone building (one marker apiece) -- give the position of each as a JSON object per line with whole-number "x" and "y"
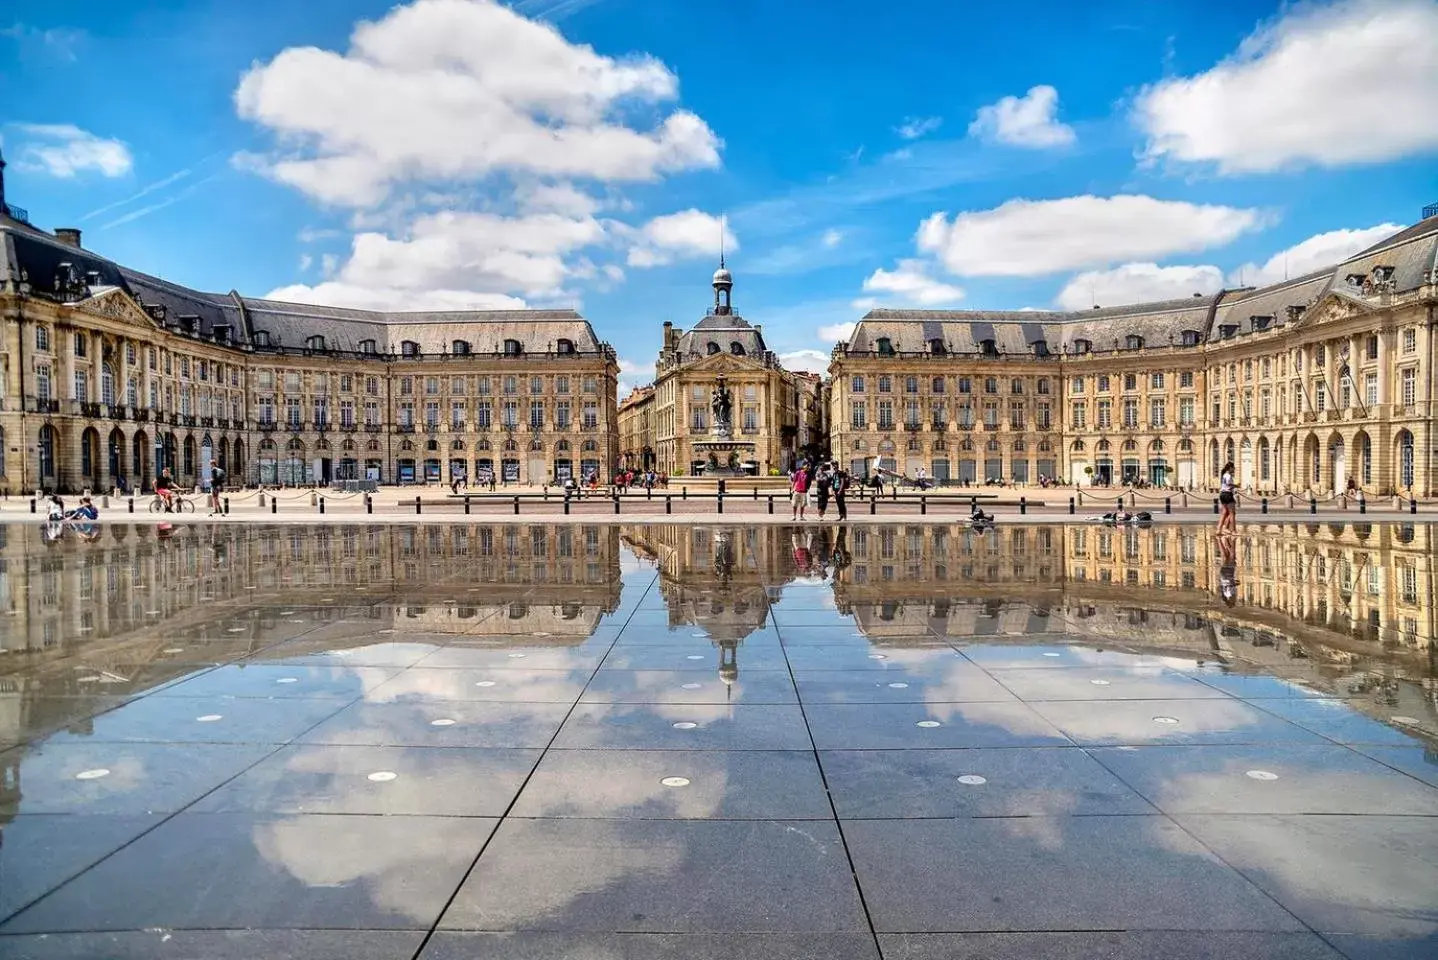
{"x": 766, "y": 397}
{"x": 1304, "y": 385}
{"x": 110, "y": 375}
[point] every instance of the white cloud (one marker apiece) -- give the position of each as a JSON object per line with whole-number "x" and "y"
{"x": 1318, "y": 251}
{"x": 915, "y": 127}
{"x": 563, "y": 198}
{"x": 64, "y": 150}
{"x": 813, "y": 361}
{"x": 1036, "y": 237}
{"x": 446, "y": 90}
{"x": 688, "y": 233}
{"x": 1136, "y": 283}
{"x": 613, "y": 272}
{"x": 632, "y": 370}
{"x": 329, "y": 263}
{"x": 1027, "y": 121}
{"x": 832, "y": 238}
{"x": 910, "y": 283}
{"x": 370, "y": 297}
{"x": 1353, "y": 82}
{"x": 837, "y": 331}
{"x": 306, "y": 261}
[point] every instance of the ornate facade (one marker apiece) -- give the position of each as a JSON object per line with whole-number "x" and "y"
{"x": 1304, "y": 385}
{"x": 110, "y": 375}
{"x": 667, "y": 418}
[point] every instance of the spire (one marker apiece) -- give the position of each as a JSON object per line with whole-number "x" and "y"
{"x": 721, "y": 229}
{"x": 3, "y": 211}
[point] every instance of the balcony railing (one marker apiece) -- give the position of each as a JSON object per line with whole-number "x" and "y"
{"x": 404, "y": 428}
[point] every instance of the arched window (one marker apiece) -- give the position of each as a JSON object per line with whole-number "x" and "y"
{"x": 564, "y": 347}
{"x": 513, "y": 348}
{"x": 711, "y": 348}
{"x": 408, "y": 348}
{"x": 315, "y": 344}
{"x": 367, "y": 347}
{"x": 591, "y": 446}
{"x": 988, "y": 348}
{"x": 1190, "y": 338}
{"x": 457, "y": 445}
{"x": 459, "y": 348}
{"x": 1133, "y": 342}
{"x": 736, "y": 348}
{"x": 562, "y": 446}
{"x": 937, "y": 347}
{"x": 295, "y": 443}
{"x": 1077, "y": 447}
{"x": 536, "y": 447}
{"x": 885, "y": 346}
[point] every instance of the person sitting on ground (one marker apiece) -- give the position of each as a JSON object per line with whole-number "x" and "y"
{"x": 84, "y": 512}
{"x": 978, "y": 516}
{"x": 54, "y": 507}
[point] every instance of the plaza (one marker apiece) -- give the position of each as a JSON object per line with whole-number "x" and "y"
{"x": 899, "y": 740}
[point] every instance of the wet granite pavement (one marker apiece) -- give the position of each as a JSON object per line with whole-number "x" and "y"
{"x": 658, "y": 742}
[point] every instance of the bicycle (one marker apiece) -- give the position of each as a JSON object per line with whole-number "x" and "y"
{"x": 178, "y": 504}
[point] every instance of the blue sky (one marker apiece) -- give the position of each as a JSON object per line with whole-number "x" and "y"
{"x": 452, "y": 153}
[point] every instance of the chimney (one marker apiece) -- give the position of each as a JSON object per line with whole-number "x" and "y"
{"x": 669, "y": 338}
{"x": 70, "y": 236}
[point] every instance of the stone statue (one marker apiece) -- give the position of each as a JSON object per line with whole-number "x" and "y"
{"x": 722, "y": 404}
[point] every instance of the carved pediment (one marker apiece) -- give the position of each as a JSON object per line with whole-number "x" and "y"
{"x": 1331, "y": 308}
{"x": 724, "y": 363}
{"x": 117, "y": 305}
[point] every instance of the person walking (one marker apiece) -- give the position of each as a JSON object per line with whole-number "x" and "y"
{"x": 799, "y": 491}
{"x": 839, "y": 480}
{"x": 823, "y": 486}
{"x": 1227, "y": 500}
{"x": 217, "y": 486}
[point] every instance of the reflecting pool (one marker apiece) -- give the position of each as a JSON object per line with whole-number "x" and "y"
{"x": 523, "y": 740}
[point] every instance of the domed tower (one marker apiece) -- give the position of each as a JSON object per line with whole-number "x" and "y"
{"x": 723, "y": 287}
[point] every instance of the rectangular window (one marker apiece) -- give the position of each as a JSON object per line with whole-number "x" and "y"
{"x": 321, "y": 412}
{"x": 82, "y": 386}
{"x": 1155, "y": 381}
{"x": 590, "y": 414}
{"x": 292, "y": 412}
{"x": 536, "y": 414}
{"x": 371, "y": 413}
{"x": 911, "y": 384}
{"x": 886, "y": 414}
{"x": 431, "y": 414}
{"x": 511, "y": 385}
{"x": 1045, "y": 416}
{"x": 991, "y": 416}
{"x": 858, "y": 414}
{"x": 966, "y": 417}
{"x": 561, "y": 384}
{"x": 561, "y": 415}
{"x": 431, "y": 386}
{"x": 456, "y": 415}
{"x": 966, "y": 385}
{"x": 1157, "y": 413}
{"x": 751, "y": 419}
{"x": 1130, "y": 413}
{"x": 936, "y": 385}
{"x": 856, "y": 383}
{"x": 1410, "y": 340}
{"x": 1130, "y": 381}
{"x": 482, "y": 386}
{"x": 80, "y": 345}
{"x": 42, "y": 339}
{"x": 42, "y": 382}
{"x": 886, "y": 384}
{"x": 1185, "y": 379}
{"x": 1016, "y": 416}
{"x": 1410, "y": 387}
{"x": 510, "y": 415}
{"x": 1101, "y": 383}
{"x": 536, "y": 385}
{"x": 1076, "y": 385}
{"x": 698, "y": 419}
{"x": 483, "y": 415}
{"x": 155, "y": 396}
{"x": 1265, "y": 404}
{"x": 938, "y": 415}
{"x": 1370, "y": 388}
{"x": 1105, "y": 414}
{"x": 911, "y": 413}
{"x": 591, "y": 385}
{"x": 1320, "y": 397}
{"x": 1185, "y": 411}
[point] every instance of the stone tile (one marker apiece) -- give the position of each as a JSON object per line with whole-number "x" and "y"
{"x": 212, "y": 719}
{"x": 687, "y": 686}
{"x": 695, "y": 655}
{"x": 1052, "y": 656}
{"x": 345, "y": 652}
{"x": 120, "y": 778}
{"x": 1049, "y": 873}
{"x": 495, "y": 657}
{"x": 30, "y": 717}
{"x": 843, "y": 631}
{"x": 232, "y": 871}
{"x": 653, "y": 727}
{"x": 1339, "y": 720}
{"x": 1027, "y": 782}
{"x": 40, "y": 852}
{"x": 1292, "y": 778}
{"x": 671, "y": 876}
{"x": 411, "y": 723}
{"x": 1127, "y": 945}
{"x": 1385, "y": 948}
{"x": 1370, "y": 875}
{"x": 1136, "y": 722}
{"x": 434, "y": 781}
{"x": 1418, "y": 762}
{"x": 216, "y": 945}
{"x": 915, "y": 661}
{"x": 688, "y": 634}
{"x": 1104, "y": 683}
{"x": 282, "y": 680}
{"x": 896, "y": 726}
{"x": 958, "y": 681}
{"x": 451, "y": 945}
{"x": 489, "y": 683}
{"x": 1255, "y": 686}
{"x": 722, "y": 785}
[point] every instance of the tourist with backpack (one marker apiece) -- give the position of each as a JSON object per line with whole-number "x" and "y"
{"x": 839, "y": 483}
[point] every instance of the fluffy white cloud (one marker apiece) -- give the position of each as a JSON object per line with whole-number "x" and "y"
{"x": 915, "y": 127}
{"x": 1027, "y": 121}
{"x": 563, "y": 198}
{"x": 370, "y": 297}
{"x": 688, "y": 233}
{"x": 813, "y": 361}
{"x": 64, "y": 150}
{"x": 1036, "y": 237}
{"x": 910, "y": 283}
{"x": 1137, "y": 282}
{"x": 1318, "y": 251}
{"x": 1353, "y": 82}
{"x": 837, "y": 331}
{"x": 445, "y": 90}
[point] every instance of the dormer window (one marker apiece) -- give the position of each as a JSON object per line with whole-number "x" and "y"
{"x": 711, "y": 348}
{"x": 988, "y": 348}
{"x": 937, "y": 347}
{"x": 222, "y": 333}
{"x": 885, "y": 346}
{"x": 1261, "y": 321}
{"x": 315, "y": 344}
{"x": 408, "y": 348}
{"x": 1040, "y": 348}
{"x": 736, "y": 348}
{"x": 262, "y": 338}
{"x": 1083, "y": 346}
{"x": 513, "y": 348}
{"x": 1228, "y": 330}
{"x": 564, "y": 347}
{"x": 1295, "y": 312}
{"x": 1133, "y": 342}
{"x": 367, "y": 347}
{"x": 1190, "y": 338}
{"x": 460, "y": 348}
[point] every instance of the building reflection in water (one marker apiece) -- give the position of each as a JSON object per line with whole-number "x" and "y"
{"x": 1345, "y": 608}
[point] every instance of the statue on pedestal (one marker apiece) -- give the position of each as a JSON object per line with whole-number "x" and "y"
{"x": 722, "y": 404}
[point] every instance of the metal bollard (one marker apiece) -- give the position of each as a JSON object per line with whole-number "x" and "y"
{"x": 1215, "y": 504}
{"x": 973, "y": 504}
{"x": 1023, "y": 506}
{"x": 516, "y": 504}
{"x": 566, "y": 506}
{"x": 668, "y": 503}
{"x": 683, "y": 493}
{"x": 719, "y": 499}
{"x": 1168, "y": 504}
{"x": 648, "y": 493}
{"x": 1413, "y": 505}
{"x": 466, "y": 503}
{"x": 322, "y": 504}
{"x": 314, "y": 499}
{"x": 1312, "y": 504}
{"x": 226, "y": 510}
{"x": 33, "y": 506}
{"x": 1071, "y": 506}
{"x": 418, "y": 508}
{"x": 771, "y": 504}
{"x": 923, "y": 505}
{"x": 1120, "y": 505}
{"x": 1132, "y": 499}
{"x": 368, "y": 504}
{"x": 873, "y": 506}
{"x": 616, "y": 504}
{"x": 132, "y": 504}
{"x": 105, "y": 501}
{"x": 1263, "y": 505}
{"x": 894, "y": 492}
{"x": 1362, "y": 503}
{"x": 756, "y": 493}
{"x": 274, "y": 505}
{"x": 262, "y": 499}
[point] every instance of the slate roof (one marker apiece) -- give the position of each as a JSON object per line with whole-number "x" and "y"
{"x": 724, "y": 330}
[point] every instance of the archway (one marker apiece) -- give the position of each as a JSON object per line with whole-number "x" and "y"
{"x": 90, "y": 458}
{"x": 1403, "y": 445}
{"x": 116, "y": 459}
{"x": 1157, "y": 464}
{"x": 1265, "y": 464}
{"x": 1337, "y": 463}
{"x": 45, "y": 446}
{"x": 140, "y": 459}
{"x": 1245, "y": 464}
{"x": 1313, "y": 464}
{"x": 1363, "y": 453}
{"x": 1187, "y": 466}
{"x": 237, "y": 471}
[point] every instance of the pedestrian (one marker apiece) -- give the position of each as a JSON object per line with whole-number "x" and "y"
{"x": 823, "y": 486}
{"x": 217, "y": 486}
{"x": 799, "y": 492}
{"x": 840, "y": 483}
{"x": 1227, "y": 500}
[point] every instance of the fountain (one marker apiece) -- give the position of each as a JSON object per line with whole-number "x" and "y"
{"x": 723, "y": 456}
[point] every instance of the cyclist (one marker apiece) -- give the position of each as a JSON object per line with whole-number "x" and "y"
{"x": 165, "y": 488}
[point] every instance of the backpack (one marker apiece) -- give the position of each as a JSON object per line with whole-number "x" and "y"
{"x": 836, "y": 483}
